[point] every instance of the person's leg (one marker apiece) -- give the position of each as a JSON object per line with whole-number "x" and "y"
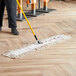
{"x": 2, "y": 5}
{"x": 11, "y": 9}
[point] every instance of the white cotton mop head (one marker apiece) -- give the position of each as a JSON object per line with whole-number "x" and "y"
{"x": 49, "y": 41}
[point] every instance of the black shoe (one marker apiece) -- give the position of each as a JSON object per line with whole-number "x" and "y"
{"x": 0, "y": 28}
{"x": 14, "y": 31}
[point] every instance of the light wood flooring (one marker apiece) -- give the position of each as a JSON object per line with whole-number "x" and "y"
{"x": 56, "y": 60}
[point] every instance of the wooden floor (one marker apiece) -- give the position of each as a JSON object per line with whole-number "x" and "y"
{"x": 56, "y": 60}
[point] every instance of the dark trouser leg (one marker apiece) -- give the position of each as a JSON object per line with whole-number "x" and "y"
{"x": 11, "y": 9}
{"x": 2, "y": 5}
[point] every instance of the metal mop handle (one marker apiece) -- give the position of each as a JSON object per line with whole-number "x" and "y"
{"x": 28, "y": 22}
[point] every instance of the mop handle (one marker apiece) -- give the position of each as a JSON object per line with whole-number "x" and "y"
{"x": 25, "y": 17}
{"x": 39, "y": 42}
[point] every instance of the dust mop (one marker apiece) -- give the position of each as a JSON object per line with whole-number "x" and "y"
{"x": 36, "y": 46}
{"x": 33, "y": 47}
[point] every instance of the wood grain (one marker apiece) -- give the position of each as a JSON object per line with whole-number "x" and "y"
{"x": 56, "y": 60}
